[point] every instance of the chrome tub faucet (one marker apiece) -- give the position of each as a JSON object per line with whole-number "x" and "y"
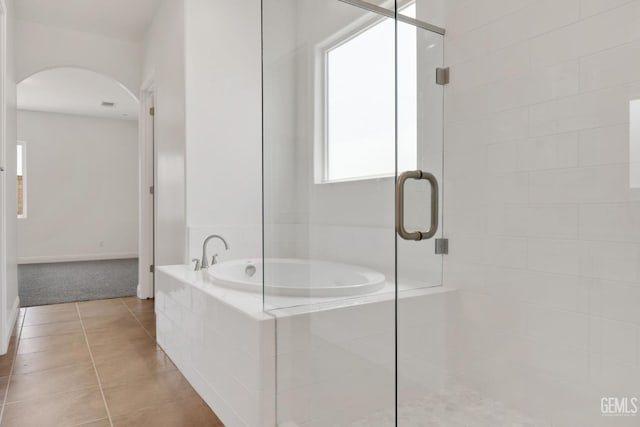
{"x": 203, "y": 264}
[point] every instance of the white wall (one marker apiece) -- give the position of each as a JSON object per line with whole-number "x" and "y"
{"x": 42, "y": 47}
{"x": 223, "y": 107}
{"x": 542, "y": 221}
{"x": 82, "y": 188}
{"x": 9, "y": 309}
{"x": 202, "y": 61}
{"x": 164, "y": 70}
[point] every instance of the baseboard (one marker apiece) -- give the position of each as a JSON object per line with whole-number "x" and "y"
{"x": 142, "y": 295}
{"x": 73, "y": 258}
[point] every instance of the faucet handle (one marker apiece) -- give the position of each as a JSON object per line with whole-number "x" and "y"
{"x": 214, "y": 259}
{"x": 197, "y": 261}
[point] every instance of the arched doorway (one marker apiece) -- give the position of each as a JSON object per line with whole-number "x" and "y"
{"x": 77, "y": 187}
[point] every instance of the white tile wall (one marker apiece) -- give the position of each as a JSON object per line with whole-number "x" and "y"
{"x": 545, "y": 231}
{"x": 338, "y": 365}
{"x": 225, "y": 352}
{"x": 244, "y": 241}
{"x": 602, "y": 146}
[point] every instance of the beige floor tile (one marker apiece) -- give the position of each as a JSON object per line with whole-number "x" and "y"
{"x": 40, "y": 318}
{"x": 125, "y": 369}
{"x": 54, "y": 380}
{"x": 118, "y": 337}
{"x": 67, "y": 342}
{"x": 99, "y": 303}
{"x": 68, "y": 409}
{"x": 11, "y": 349}
{"x": 43, "y": 360}
{"x": 51, "y": 381}
{"x": 104, "y": 352}
{"x": 138, "y": 306}
{"x": 161, "y": 389}
{"x": 61, "y": 328}
{"x": 6, "y": 362}
{"x": 52, "y": 308}
{"x": 13, "y": 346}
{"x": 148, "y": 316}
{"x": 149, "y": 326}
{"x": 184, "y": 413}
{"x": 119, "y": 322}
{"x": 99, "y": 423}
{"x": 106, "y": 309}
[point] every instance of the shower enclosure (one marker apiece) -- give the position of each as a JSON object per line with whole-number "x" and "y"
{"x": 351, "y": 103}
{"x": 454, "y": 215}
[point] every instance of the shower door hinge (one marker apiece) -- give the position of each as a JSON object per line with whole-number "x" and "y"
{"x": 152, "y": 111}
{"x": 442, "y": 76}
{"x": 151, "y": 190}
{"x": 152, "y": 269}
{"x": 442, "y": 246}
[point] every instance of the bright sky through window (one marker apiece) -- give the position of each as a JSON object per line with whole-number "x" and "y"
{"x": 361, "y": 97}
{"x": 20, "y": 160}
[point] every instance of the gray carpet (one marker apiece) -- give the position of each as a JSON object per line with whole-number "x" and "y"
{"x": 43, "y": 284}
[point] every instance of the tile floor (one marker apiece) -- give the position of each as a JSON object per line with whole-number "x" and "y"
{"x": 454, "y": 406}
{"x": 95, "y": 364}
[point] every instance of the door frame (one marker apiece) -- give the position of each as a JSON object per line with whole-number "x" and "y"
{"x": 8, "y": 314}
{"x": 147, "y": 191}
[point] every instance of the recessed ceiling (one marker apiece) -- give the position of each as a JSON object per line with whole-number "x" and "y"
{"x": 121, "y": 19}
{"x": 76, "y": 91}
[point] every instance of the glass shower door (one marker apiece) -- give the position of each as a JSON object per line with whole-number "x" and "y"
{"x": 421, "y": 315}
{"x": 329, "y": 183}
{"x": 420, "y": 152}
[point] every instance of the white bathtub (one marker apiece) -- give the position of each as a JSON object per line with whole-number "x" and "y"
{"x": 297, "y": 277}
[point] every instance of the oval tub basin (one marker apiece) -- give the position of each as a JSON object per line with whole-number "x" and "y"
{"x": 297, "y": 277}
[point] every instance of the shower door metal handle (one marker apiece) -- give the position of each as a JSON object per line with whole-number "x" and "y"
{"x": 417, "y": 235}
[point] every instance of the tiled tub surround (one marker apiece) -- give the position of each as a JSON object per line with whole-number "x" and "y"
{"x": 542, "y": 218}
{"x": 221, "y": 341}
{"x": 334, "y": 361}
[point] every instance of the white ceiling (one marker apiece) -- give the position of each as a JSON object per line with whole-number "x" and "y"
{"x": 76, "y": 91}
{"x": 121, "y": 19}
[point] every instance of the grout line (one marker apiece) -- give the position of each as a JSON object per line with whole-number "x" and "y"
{"x": 138, "y": 320}
{"x": 13, "y": 363}
{"x": 95, "y": 369}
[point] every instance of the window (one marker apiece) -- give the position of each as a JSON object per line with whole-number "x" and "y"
{"x": 358, "y": 137}
{"x": 22, "y": 179}
{"x": 634, "y": 143}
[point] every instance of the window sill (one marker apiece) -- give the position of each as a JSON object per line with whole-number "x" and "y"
{"x": 359, "y": 179}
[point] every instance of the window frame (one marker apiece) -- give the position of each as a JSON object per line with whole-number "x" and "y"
{"x": 23, "y": 144}
{"x": 321, "y": 98}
